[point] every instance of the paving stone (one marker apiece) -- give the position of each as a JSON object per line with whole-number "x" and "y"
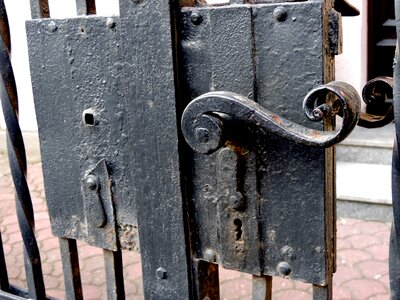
{"x": 92, "y": 292}
{"x": 279, "y": 283}
{"x": 133, "y": 272}
{"x": 379, "y": 252}
{"x": 379, "y": 297}
{"x": 364, "y": 288}
{"x": 350, "y": 257}
{"x": 344, "y": 274}
{"x": 373, "y": 269}
{"x": 52, "y": 282}
{"x": 341, "y": 293}
{"x": 292, "y": 294}
{"x": 228, "y": 274}
{"x": 343, "y": 244}
{"x": 235, "y": 289}
{"x": 56, "y": 293}
{"x": 361, "y": 241}
{"x": 361, "y": 274}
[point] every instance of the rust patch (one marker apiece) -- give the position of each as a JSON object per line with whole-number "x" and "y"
{"x": 128, "y": 237}
{"x": 277, "y": 119}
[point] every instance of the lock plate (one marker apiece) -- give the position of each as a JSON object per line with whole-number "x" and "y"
{"x": 274, "y": 54}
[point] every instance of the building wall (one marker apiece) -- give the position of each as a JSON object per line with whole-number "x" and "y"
{"x": 351, "y": 65}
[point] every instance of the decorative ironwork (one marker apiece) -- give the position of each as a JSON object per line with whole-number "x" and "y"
{"x": 18, "y": 165}
{"x": 203, "y": 125}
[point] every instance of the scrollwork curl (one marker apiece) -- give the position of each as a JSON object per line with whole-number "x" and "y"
{"x": 203, "y": 122}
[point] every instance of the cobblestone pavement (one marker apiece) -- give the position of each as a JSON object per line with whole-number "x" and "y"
{"x": 362, "y": 257}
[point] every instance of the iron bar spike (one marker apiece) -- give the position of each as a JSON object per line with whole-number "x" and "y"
{"x": 17, "y": 159}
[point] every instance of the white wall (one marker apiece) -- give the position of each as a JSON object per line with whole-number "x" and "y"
{"x": 351, "y": 66}
{"x": 18, "y": 12}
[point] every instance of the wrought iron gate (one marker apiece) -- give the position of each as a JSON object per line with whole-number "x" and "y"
{"x": 183, "y": 129}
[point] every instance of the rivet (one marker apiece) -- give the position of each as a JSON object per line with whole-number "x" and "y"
{"x": 196, "y": 18}
{"x": 202, "y": 135}
{"x": 284, "y": 268}
{"x": 280, "y": 13}
{"x": 288, "y": 254}
{"x": 210, "y": 255}
{"x": 91, "y": 182}
{"x": 236, "y": 200}
{"x": 161, "y": 273}
{"x": 52, "y": 26}
{"x": 110, "y": 23}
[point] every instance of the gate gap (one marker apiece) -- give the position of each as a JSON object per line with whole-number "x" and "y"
{"x": 107, "y": 8}
{"x": 62, "y": 9}
{"x": 133, "y": 275}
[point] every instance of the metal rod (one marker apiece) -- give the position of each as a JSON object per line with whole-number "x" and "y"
{"x": 4, "y": 283}
{"x": 17, "y": 159}
{"x": 206, "y": 280}
{"x": 262, "y": 288}
{"x": 72, "y": 273}
{"x": 114, "y": 275}
{"x": 85, "y": 7}
{"x": 322, "y": 292}
{"x": 40, "y": 9}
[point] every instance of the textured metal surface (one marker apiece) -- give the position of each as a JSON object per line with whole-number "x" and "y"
{"x": 86, "y": 7}
{"x": 18, "y": 165}
{"x": 378, "y": 95}
{"x": 115, "y": 99}
{"x": 148, "y": 45}
{"x": 85, "y": 107}
{"x": 256, "y": 195}
{"x": 40, "y": 9}
{"x": 280, "y": 180}
{"x": 394, "y": 248}
{"x": 72, "y": 275}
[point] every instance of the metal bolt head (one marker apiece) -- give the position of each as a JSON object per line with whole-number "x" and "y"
{"x": 318, "y": 114}
{"x": 284, "y": 268}
{"x": 236, "y": 200}
{"x": 280, "y": 13}
{"x": 288, "y": 254}
{"x": 91, "y": 182}
{"x": 196, "y": 18}
{"x": 202, "y": 135}
{"x": 161, "y": 273}
{"x": 52, "y": 26}
{"x": 110, "y": 23}
{"x": 210, "y": 255}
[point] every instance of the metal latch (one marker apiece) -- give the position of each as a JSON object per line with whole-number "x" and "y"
{"x": 98, "y": 206}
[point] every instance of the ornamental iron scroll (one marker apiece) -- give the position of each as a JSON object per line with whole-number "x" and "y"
{"x": 203, "y": 125}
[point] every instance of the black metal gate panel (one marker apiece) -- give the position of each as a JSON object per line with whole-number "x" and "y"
{"x": 183, "y": 130}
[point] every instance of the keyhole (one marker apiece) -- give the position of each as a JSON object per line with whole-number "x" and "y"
{"x": 238, "y": 230}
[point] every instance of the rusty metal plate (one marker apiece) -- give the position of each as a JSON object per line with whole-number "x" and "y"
{"x": 273, "y": 54}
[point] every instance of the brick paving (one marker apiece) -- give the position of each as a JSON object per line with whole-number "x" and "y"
{"x": 362, "y": 271}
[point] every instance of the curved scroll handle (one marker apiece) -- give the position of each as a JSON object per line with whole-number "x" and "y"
{"x": 203, "y": 125}
{"x": 378, "y": 95}
{"x": 345, "y": 8}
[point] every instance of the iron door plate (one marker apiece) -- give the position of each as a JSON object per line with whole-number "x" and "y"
{"x": 76, "y": 81}
{"x": 285, "y": 224}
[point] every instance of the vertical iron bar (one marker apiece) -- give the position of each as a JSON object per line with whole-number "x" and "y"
{"x": 4, "y": 284}
{"x": 72, "y": 273}
{"x": 40, "y": 9}
{"x": 114, "y": 275}
{"x": 85, "y": 7}
{"x": 18, "y": 165}
{"x": 394, "y": 253}
{"x": 206, "y": 280}
{"x": 322, "y": 292}
{"x": 262, "y": 288}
